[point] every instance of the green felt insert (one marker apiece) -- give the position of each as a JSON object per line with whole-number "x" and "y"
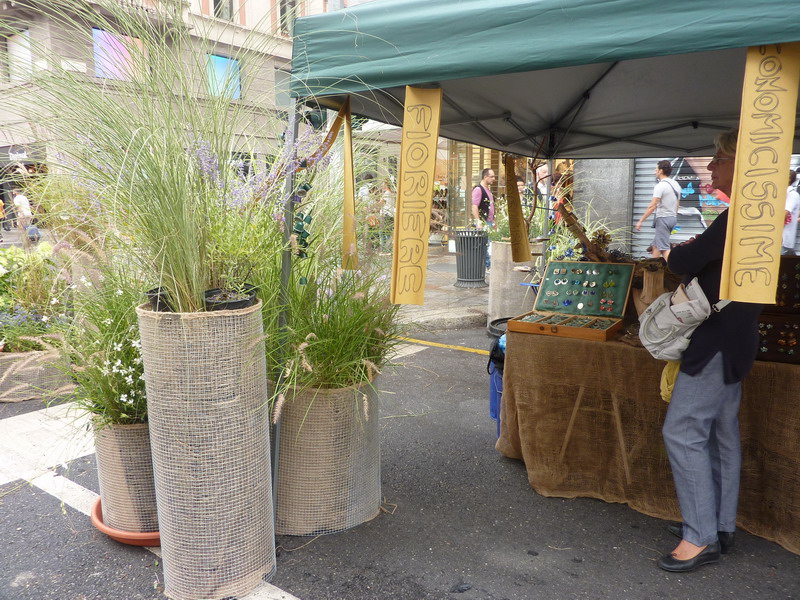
{"x": 567, "y": 289}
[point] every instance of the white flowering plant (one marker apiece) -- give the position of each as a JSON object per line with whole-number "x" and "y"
{"x": 103, "y": 350}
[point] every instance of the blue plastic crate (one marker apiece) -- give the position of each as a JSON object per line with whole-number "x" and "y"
{"x": 495, "y": 394}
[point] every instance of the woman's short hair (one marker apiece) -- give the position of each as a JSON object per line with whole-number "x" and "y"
{"x": 665, "y": 167}
{"x": 726, "y": 142}
{"x": 792, "y": 177}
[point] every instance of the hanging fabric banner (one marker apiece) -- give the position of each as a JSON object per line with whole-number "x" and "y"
{"x": 418, "y": 144}
{"x": 756, "y": 214}
{"x": 520, "y": 247}
{"x": 349, "y": 249}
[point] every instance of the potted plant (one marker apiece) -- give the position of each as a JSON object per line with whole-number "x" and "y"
{"x": 31, "y": 320}
{"x": 340, "y": 333}
{"x": 103, "y": 355}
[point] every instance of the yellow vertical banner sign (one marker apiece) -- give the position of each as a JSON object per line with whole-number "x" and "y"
{"x": 415, "y": 194}
{"x": 349, "y": 248}
{"x": 756, "y": 214}
{"x": 520, "y": 247}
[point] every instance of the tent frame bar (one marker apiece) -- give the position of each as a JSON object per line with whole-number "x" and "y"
{"x": 466, "y": 115}
{"x": 474, "y": 120}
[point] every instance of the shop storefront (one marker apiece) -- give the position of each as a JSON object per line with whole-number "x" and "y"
{"x": 17, "y": 164}
{"x": 464, "y": 165}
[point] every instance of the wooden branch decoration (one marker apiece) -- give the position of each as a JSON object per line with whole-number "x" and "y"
{"x": 593, "y": 251}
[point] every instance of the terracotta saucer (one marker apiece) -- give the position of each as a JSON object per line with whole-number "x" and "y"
{"x": 147, "y": 538}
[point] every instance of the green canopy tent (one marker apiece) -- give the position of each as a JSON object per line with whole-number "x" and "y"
{"x": 572, "y": 78}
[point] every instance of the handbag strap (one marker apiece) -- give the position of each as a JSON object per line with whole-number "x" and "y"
{"x": 676, "y": 192}
{"x": 720, "y": 305}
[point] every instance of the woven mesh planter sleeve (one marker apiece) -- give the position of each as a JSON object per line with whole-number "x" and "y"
{"x": 329, "y": 472}
{"x": 31, "y": 375}
{"x": 205, "y": 375}
{"x": 125, "y": 472}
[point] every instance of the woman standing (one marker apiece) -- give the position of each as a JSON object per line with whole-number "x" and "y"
{"x": 701, "y": 430}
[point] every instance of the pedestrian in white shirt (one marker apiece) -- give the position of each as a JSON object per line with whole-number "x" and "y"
{"x": 23, "y": 209}
{"x": 792, "y": 213}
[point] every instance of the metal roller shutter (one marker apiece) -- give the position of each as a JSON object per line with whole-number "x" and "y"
{"x": 698, "y": 206}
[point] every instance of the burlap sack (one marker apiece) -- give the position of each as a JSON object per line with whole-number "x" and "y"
{"x": 125, "y": 472}
{"x": 329, "y": 467}
{"x": 205, "y": 375}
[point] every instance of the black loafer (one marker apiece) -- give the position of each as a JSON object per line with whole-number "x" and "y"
{"x": 726, "y": 538}
{"x": 709, "y": 554}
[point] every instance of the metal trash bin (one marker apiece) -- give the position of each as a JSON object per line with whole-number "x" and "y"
{"x": 470, "y": 258}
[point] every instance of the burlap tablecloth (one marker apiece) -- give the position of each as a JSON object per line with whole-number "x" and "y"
{"x": 586, "y": 418}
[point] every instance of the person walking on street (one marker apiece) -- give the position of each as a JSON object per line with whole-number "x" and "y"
{"x": 483, "y": 206}
{"x": 665, "y": 203}
{"x": 701, "y": 429}
{"x": 23, "y": 209}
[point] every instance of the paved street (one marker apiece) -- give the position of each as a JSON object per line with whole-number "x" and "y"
{"x": 459, "y": 520}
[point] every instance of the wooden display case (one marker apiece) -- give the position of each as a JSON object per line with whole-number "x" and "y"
{"x": 779, "y": 338}
{"x": 787, "y": 296}
{"x": 584, "y": 300}
{"x": 779, "y": 324}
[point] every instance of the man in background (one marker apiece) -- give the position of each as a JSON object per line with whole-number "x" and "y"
{"x": 790, "y": 220}
{"x": 483, "y": 206}
{"x": 665, "y": 204}
{"x": 23, "y": 209}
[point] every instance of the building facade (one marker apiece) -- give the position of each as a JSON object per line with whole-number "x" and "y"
{"x": 247, "y": 40}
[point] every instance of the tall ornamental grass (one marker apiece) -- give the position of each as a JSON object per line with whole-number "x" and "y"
{"x": 152, "y": 177}
{"x": 153, "y": 147}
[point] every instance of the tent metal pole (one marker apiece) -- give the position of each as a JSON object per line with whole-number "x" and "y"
{"x": 548, "y": 188}
{"x": 286, "y": 269}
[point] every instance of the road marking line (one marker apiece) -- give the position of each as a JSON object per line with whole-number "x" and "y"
{"x": 35, "y": 442}
{"x": 67, "y": 491}
{"x": 405, "y": 350}
{"x": 32, "y": 443}
{"x": 448, "y": 346}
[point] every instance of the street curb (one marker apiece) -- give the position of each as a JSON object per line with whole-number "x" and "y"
{"x": 445, "y": 319}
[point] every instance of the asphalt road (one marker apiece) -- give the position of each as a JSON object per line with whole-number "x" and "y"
{"x": 460, "y": 521}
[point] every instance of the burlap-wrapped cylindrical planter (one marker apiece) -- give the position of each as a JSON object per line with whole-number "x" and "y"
{"x": 31, "y": 375}
{"x": 125, "y": 472}
{"x": 205, "y": 375}
{"x": 329, "y": 468}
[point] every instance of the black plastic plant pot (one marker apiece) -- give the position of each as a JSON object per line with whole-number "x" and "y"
{"x": 218, "y": 299}
{"x": 158, "y": 300}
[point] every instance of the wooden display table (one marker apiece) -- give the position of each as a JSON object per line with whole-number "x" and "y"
{"x": 586, "y": 418}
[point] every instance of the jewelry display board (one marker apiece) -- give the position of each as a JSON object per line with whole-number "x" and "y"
{"x": 787, "y": 296}
{"x": 584, "y": 300}
{"x": 778, "y": 338}
{"x": 779, "y": 324}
